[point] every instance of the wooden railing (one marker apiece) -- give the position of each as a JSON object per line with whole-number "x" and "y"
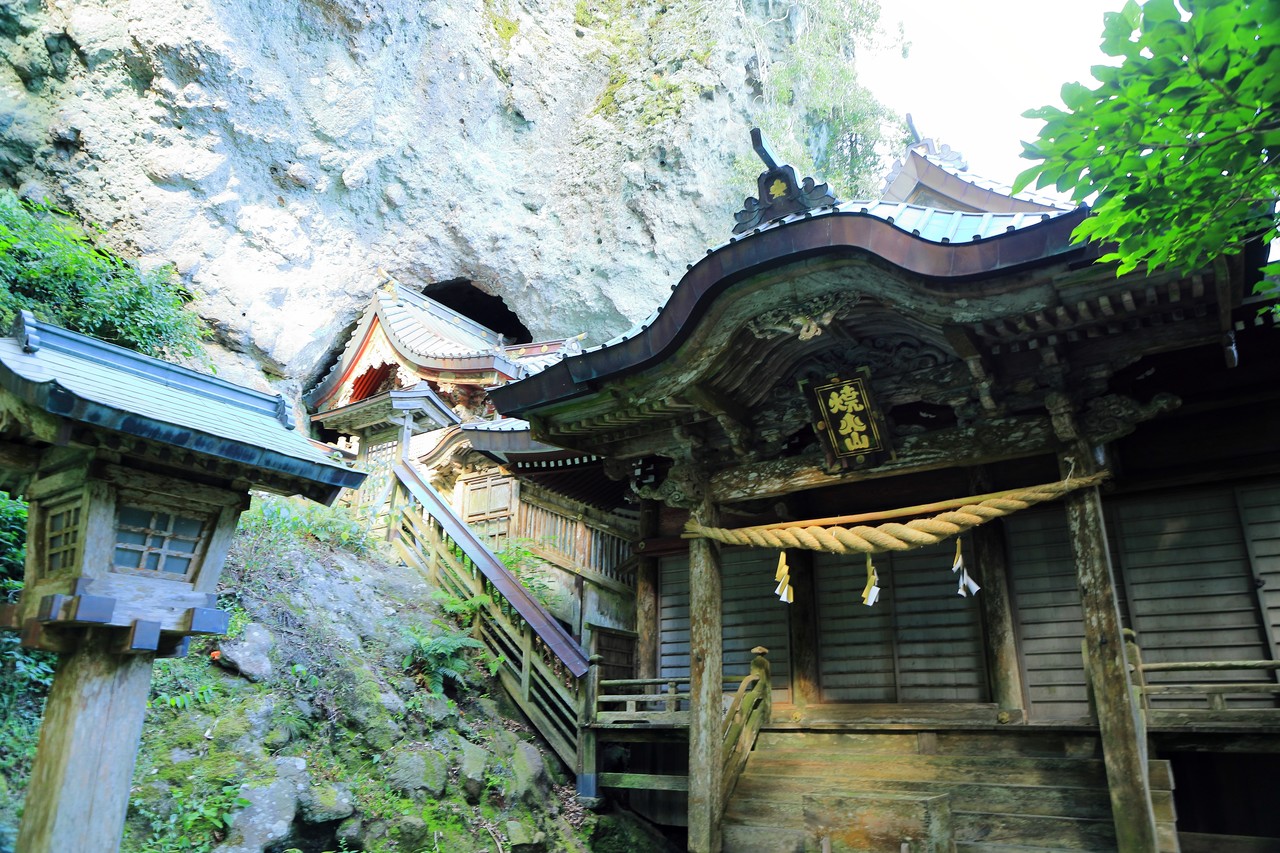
{"x": 749, "y": 711}
{"x": 1214, "y": 693}
{"x": 540, "y": 664}
{"x": 654, "y": 702}
{"x": 576, "y": 541}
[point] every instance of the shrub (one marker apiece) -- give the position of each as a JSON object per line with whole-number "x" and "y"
{"x": 53, "y": 267}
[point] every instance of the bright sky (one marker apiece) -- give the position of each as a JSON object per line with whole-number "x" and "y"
{"x": 976, "y": 65}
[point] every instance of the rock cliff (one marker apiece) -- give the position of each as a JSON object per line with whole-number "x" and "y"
{"x": 285, "y": 155}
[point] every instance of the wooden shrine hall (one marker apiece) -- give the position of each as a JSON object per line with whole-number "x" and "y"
{"x": 950, "y": 538}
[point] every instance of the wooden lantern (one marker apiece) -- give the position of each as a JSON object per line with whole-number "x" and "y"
{"x": 112, "y": 546}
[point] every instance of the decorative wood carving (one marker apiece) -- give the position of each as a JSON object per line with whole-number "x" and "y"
{"x": 1115, "y": 416}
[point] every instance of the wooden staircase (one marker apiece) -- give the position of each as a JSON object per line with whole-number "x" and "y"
{"x": 1007, "y": 791}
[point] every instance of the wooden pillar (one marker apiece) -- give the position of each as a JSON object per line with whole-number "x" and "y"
{"x": 802, "y": 615}
{"x": 647, "y": 597}
{"x": 705, "y": 676}
{"x": 997, "y": 617}
{"x": 79, "y": 789}
{"x": 586, "y": 771}
{"x": 1122, "y": 748}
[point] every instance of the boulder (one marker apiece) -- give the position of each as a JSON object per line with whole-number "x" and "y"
{"x": 529, "y": 772}
{"x": 249, "y": 654}
{"x": 419, "y": 772}
{"x": 474, "y": 761}
{"x": 321, "y": 803}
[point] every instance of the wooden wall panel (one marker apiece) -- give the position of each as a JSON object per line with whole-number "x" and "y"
{"x": 856, "y": 656}
{"x": 921, "y": 642}
{"x": 1047, "y": 613}
{"x": 1191, "y": 592}
{"x": 939, "y": 639}
{"x": 1260, "y": 515}
{"x": 753, "y": 616}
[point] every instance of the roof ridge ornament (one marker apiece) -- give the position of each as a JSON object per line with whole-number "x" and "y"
{"x": 779, "y": 194}
{"x": 24, "y": 329}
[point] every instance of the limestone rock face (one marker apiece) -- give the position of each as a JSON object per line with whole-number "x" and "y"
{"x": 282, "y": 154}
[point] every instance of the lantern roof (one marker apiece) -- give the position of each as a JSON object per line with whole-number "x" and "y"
{"x": 103, "y": 388}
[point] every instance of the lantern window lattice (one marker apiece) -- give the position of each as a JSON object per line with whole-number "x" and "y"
{"x": 62, "y": 536}
{"x": 153, "y": 542}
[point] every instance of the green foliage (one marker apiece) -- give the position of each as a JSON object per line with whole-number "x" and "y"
{"x": 463, "y": 609}
{"x": 182, "y": 683}
{"x": 504, "y": 28}
{"x": 527, "y": 566}
{"x": 1180, "y": 140}
{"x": 13, "y": 545}
{"x": 202, "y": 695}
{"x": 272, "y": 524}
{"x": 814, "y": 112}
{"x": 53, "y": 267}
{"x": 439, "y": 660}
{"x": 25, "y": 675}
{"x": 195, "y": 823}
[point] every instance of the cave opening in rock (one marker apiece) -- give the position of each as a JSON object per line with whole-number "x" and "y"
{"x": 487, "y": 310}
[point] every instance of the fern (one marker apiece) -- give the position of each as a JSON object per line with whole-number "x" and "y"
{"x": 439, "y": 660}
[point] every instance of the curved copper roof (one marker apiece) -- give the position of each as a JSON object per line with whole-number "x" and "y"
{"x": 953, "y": 253}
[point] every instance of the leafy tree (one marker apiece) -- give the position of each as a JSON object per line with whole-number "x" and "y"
{"x": 812, "y": 107}
{"x": 1180, "y": 140}
{"x": 51, "y": 266}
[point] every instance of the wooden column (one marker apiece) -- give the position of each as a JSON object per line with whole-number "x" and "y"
{"x": 1122, "y": 747}
{"x": 647, "y": 597}
{"x": 997, "y": 617}
{"x": 802, "y": 615}
{"x": 588, "y": 780}
{"x": 79, "y": 790}
{"x": 705, "y": 675}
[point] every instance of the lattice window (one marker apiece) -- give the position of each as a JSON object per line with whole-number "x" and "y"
{"x": 62, "y": 536}
{"x": 158, "y": 542}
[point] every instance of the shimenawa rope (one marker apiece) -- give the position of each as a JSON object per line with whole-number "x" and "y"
{"x": 893, "y": 536}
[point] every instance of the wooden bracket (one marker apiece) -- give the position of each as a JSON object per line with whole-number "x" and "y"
{"x": 204, "y": 620}
{"x": 76, "y": 609}
{"x": 141, "y": 637}
{"x": 47, "y": 637}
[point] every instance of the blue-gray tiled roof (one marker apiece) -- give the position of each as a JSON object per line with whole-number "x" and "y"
{"x": 108, "y": 387}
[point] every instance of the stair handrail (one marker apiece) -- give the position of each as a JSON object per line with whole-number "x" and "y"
{"x": 750, "y": 710}
{"x": 556, "y": 639}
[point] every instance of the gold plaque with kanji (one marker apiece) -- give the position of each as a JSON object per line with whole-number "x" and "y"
{"x": 850, "y": 420}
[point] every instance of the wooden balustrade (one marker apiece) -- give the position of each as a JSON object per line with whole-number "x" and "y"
{"x": 659, "y": 702}
{"x": 582, "y": 544}
{"x": 1214, "y": 694}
